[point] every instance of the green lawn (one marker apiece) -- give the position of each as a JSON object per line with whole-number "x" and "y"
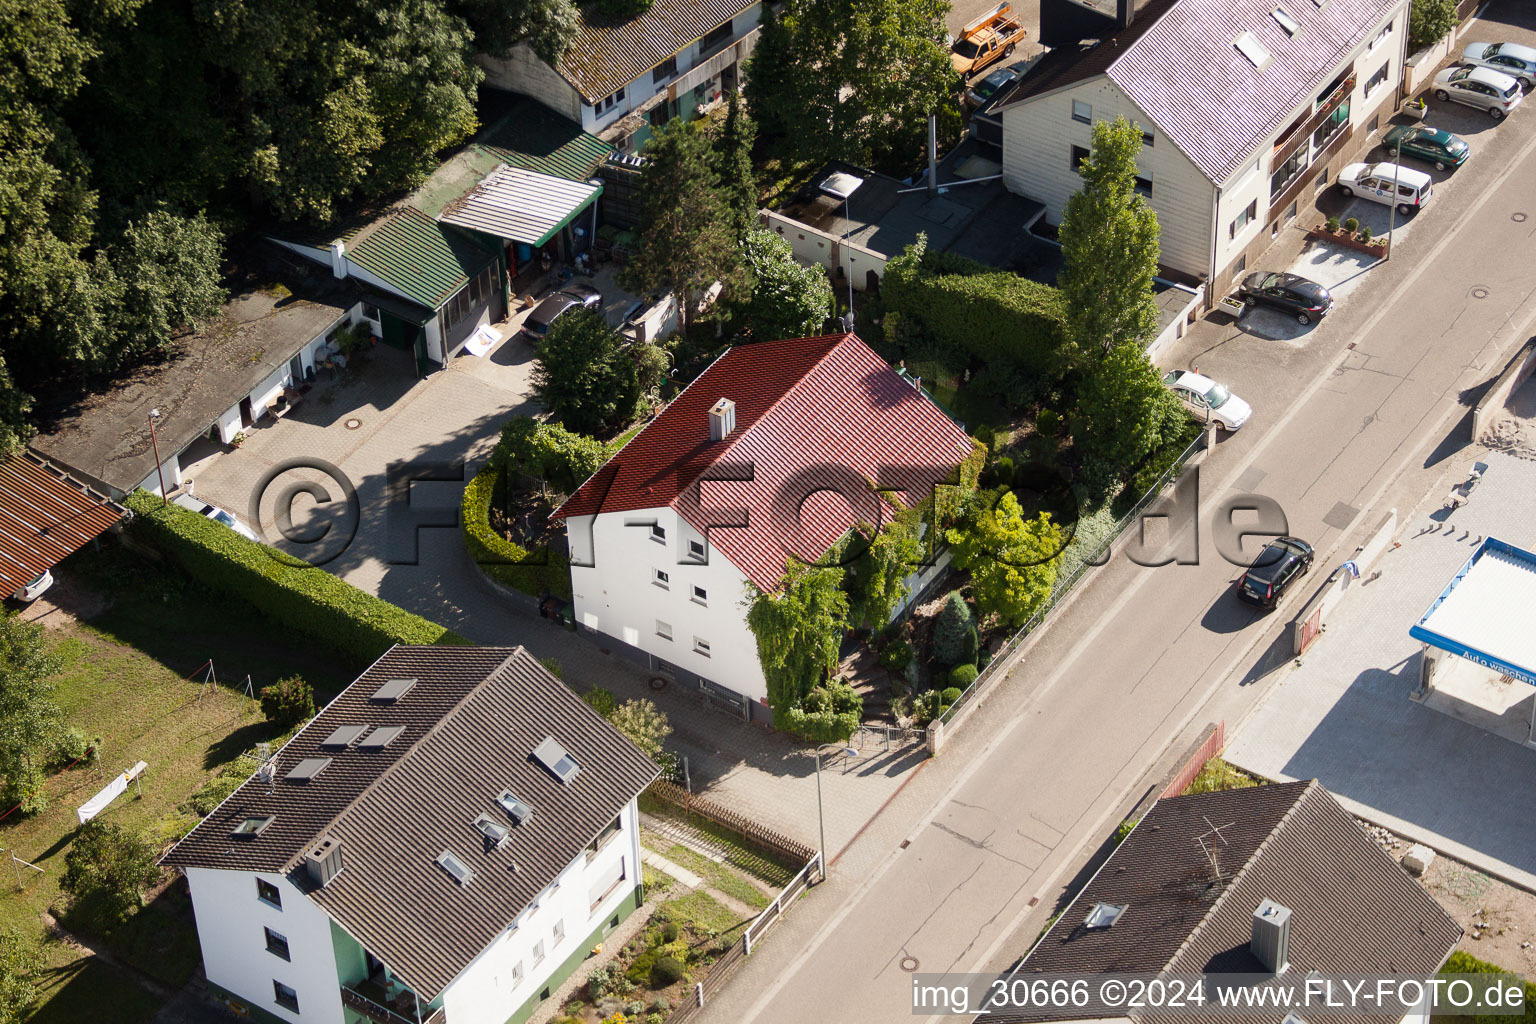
{"x": 727, "y": 880}
{"x": 123, "y": 679}
{"x": 1218, "y": 775}
{"x": 750, "y": 859}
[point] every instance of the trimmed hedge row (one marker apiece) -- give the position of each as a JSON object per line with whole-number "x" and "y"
{"x": 290, "y": 592}
{"x": 538, "y": 573}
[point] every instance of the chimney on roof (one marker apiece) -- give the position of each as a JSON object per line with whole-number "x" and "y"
{"x": 722, "y": 419}
{"x": 1271, "y": 941}
{"x": 324, "y": 861}
{"x": 338, "y": 258}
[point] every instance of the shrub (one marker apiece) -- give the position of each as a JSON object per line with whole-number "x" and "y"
{"x": 954, "y": 632}
{"x": 828, "y": 714}
{"x": 949, "y": 695}
{"x": 288, "y": 702}
{"x": 639, "y": 970}
{"x": 214, "y": 792}
{"x": 1366, "y": 233}
{"x": 1351, "y": 224}
{"x": 1000, "y": 473}
{"x": 295, "y": 594}
{"x": 1462, "y": 962}
{"x": 895, "y": 656}
{"x": 1331, "y": 224}
{"x": 670, "y": 932}
{"x": 960, "y": 677}
{"x": 1048, "y": 423}
{"x": 553, "y": 667}
{"x": 644, "y": 724}
{"x": 540, "y": 572}
{"x": 602, "y": 701}
{"x": 548, "y": 451}
{"x": 1159, "y": 462}
{"x": 106, "y": 872}
{"x": 74, "y": 746}
{"x": 666, "y": 971}
{"x": 634, "y": 1008}
{"x": 598, "y": 982}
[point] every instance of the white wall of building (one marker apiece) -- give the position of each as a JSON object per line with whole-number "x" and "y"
{"x": 817, "y": 248}
{"x": 616, "y": 592}
{"x": 487, "y": 991}
{"x": 1038, "y": 137}
{"x": 171, "y": 467}
{"x": 230, "y": 919}
{"x": 522, "y": 71}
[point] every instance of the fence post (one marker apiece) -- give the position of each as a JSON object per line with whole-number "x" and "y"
{"x": 746, "y": 937}
{"x": 698, "y": 991}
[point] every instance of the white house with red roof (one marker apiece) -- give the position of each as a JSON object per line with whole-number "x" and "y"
{"x": 775, "y": 452}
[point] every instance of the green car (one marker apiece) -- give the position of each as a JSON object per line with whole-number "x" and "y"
{"x": 1431, "y": 145}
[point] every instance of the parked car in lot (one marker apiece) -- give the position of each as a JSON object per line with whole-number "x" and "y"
{"x": 1479, "y": 87}
{"x": 1207, "y": 399}
{"x": 217, "y": 514}
{"x": 31, "y": 591}
{"x": 1512, "y": 59}
{"x": 1432, "y": 145}
{"x": 981, "y": 91}
{"x": 1388, "y": 184}
{"x": 573, "y": 295}
{"x": 1283, "y": 561}
{"x": 1305, "y": 300}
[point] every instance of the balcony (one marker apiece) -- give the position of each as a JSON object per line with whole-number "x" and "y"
{"x": 1299, "y": 132}
{"x": 371, "y": 1000}
{"x": 709, "y": 67}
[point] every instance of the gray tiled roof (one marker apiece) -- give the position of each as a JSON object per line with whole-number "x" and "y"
{"x": 606, "y": 55}
{"x": 1291, "y": 843}
{"x": 471, "y": 722}
{"x": 1208, "y": 98}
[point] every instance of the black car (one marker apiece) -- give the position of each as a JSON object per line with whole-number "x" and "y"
{"x": 1305, "y": 300}
{"x": 573, "y": 295}
{"x": 1283, "y": 561}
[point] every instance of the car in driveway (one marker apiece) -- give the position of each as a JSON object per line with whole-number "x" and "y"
{"x": 1283, "y": 561}
{"x": 981, "y": 91}
{"x": 572, "y": 295}
{"x": 1306, "y": 300}
{"x": 1388, "y": 184}
{"x": 217, "y": 514}
{"x": 1483, "y": 88}
{"x": 1207, "y": 399}
{"x": 1431, "y": 145}
{"x": 1512, "y": 59}
{"x": 33, "y": 589}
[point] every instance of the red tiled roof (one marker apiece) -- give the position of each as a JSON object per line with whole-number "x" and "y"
{"x": 813, "y": 416}
{"x": 44, "y": 517}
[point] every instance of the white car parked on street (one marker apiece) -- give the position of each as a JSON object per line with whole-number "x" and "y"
{"x": 1388, "y": 184}
{"x": 1483, "y": 88}
{"x": 1207, "y": 399}
{"x": 1512, "y": 59}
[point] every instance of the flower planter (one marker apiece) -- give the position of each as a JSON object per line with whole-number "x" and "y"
{"x": 1348, "y": 240}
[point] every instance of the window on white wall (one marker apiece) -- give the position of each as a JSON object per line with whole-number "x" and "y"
{"x": 701, "y": 646}
{"x": 1144, "y": 184}
{"x": 696, "y": 549}
{"x": 267, "y": 893}
{"x": 1243, "y": 219}
{"x": 370, "y": 311}
{"x": 1381, "y": 37}
{"x": 559, "y": 932}
{"x": 661, "y": 578}
{"x": 1082, "y": 111}
{"x": 277, "y": 944}
{"x": 1079, "y": 154}
{"x": 658, "y": 533}
{"x": 538, "y": 952}
{"x": 611, "y": 878}
{"x": 664, "y": 629}
{"x": 285, "y": 996}
{"x": 700, "y": 596}
{"x": 1378, "y": 77}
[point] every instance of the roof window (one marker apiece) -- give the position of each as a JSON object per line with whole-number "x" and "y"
{"x": 307, "y": 769}
{"x": 1285, "y": 21}
{"x": 344, "y": 736}
{"x": 250, "y": 828}
{"x": 495, "y": 833}
{"x": 381, "y": 737}
{"x": 516, "y": 809}
{"x": 1104, "y": 914}
{"x": 392, "y": 691}
{"x": 553, "y": 756}
{"x": 1249, "y": 46}
{"x": 458, "y": 869}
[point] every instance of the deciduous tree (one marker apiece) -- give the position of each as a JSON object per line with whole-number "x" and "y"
{"x": 876, "y": 574}
{"x": 21, "y": 970}
{"x": 787, "y": 300}
{"x": 106, "y": 871}
{"x": 644, "y": 723}
{"x": 31, "y": 725}
{"x": 1123, "y": 409}
{"x": 1012, "y": 561}
{"x": 583, "y": 375}
{"x": 1429, "y": 21}
{"x": 1109, "y": 243}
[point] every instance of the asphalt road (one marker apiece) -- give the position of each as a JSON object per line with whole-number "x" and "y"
{"x": 1141, "y": 658}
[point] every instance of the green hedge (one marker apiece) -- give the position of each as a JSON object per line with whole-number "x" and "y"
{"x": 1462, "y": 962}
{"x": 292, "y": 593}
{"x": 537, "y": 573}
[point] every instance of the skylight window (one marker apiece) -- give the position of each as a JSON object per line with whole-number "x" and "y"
{"x": 495, "y": 833}
{"x": 1249, "y": 46}
{"x": 553, "y": 756}
{"x": 516, "y": 809}
{"x": 1286, "y": 22}
{"x": 344, "y": 736}
{"x": 307, "y": 769}
{"x": 250, "y": 828}
{"x": 392, "y": 691}
{"x": 381, "y": 737}
{"x": 1104, "y": 914}
{"x": 458, "y": 869}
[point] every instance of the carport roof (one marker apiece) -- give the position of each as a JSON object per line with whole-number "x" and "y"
{"x": 1484, "y": 613}
{"x": 45, "y": 516}
{"x": 521, "y": 205}
{"x": 421, "y": 259}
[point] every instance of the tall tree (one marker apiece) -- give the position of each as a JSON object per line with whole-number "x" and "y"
{"x": 875, "y": 579}
{"x": 854, "y": 79}
{"x": 1429, "y": 21}
{"x": 798, "y": 628}
{"x": 14, "y": 406}
{"x": 21, "y": 971}
{"x": 583, "y": 374}
{"x": 787, "y": 300}
{"x": 1123, "y": 409}
{"x": 686, "y": 241}
{"x": 31, "y": 724}
{"x": 733, "y": 165}
{"x": 1109, "y": 243}
{"x": 547, "y": 25}
{"x": 1012, "y": 560}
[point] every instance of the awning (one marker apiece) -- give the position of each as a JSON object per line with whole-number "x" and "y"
{"x": 45, "y": 516}
{"x": 1484, "y": 613}
{"x": 521, "y": 205}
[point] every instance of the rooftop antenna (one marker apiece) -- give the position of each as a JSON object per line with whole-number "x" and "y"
{"x": 267, "y": 771}
{"x": 1208, "y": 841}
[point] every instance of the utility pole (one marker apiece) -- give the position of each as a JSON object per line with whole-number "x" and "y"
{"x": 154, "y": 414}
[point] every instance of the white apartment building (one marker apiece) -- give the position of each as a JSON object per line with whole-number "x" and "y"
{"x": 775, "y": 452}
{"x": 444, "y": 844}
{"x": 1248, "y": 108}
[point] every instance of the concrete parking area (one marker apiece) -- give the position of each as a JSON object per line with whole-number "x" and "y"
{"x": 1342, "y": 714}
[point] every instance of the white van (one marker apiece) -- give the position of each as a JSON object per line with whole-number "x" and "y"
{"x": 1388, "y": 184}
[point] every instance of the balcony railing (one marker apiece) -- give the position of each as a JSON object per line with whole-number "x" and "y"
{"x": 1302, "y": 130}
{"x": 379, "y": 1013}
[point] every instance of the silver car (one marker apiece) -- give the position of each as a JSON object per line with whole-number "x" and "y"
{"x": 1512, "y": 59}
{"x": 1479, "y": 87}
{"x": 1208, "y": 399}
